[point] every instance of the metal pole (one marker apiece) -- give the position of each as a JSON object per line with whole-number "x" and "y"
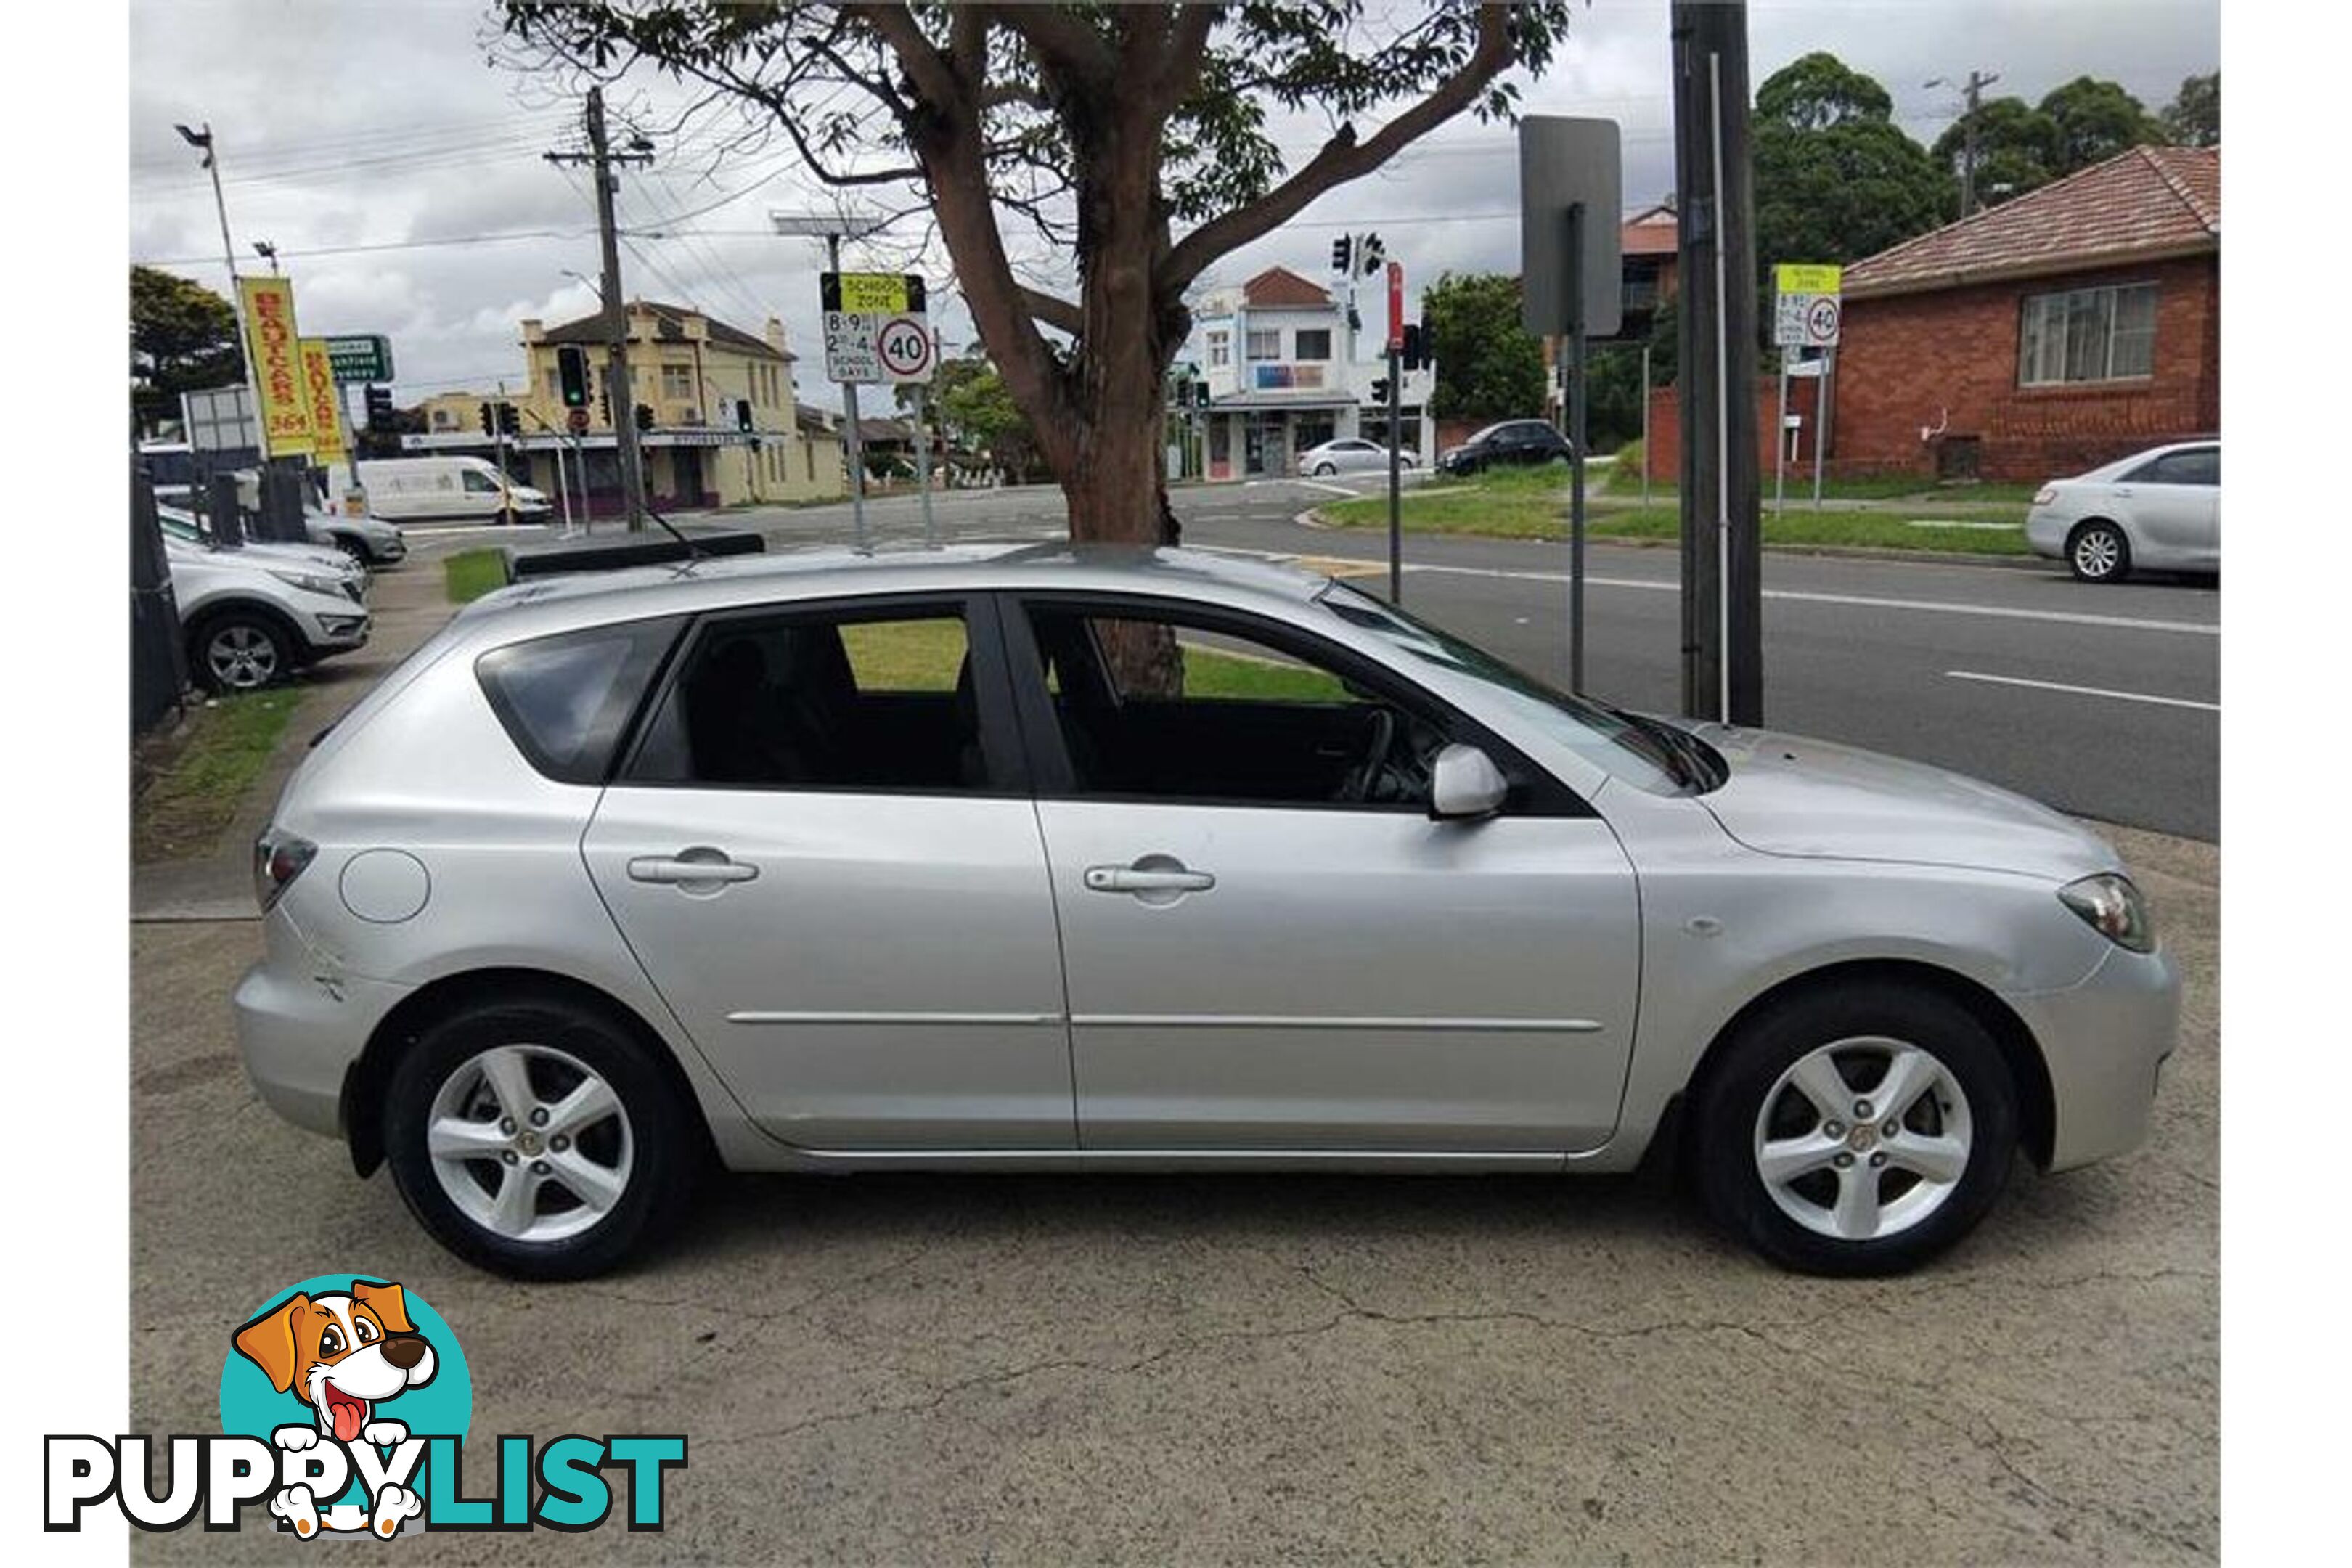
{"x": 1396, "y": 481}
{"x": 1645, "y": 424}
{"x": 923, "y": 462}
{"x": 616, "y": 326}
{"x": 1821, "y": 420}
{"x": 1574, "y": 371}
{"x": 1722, "y": 411}
{"x": 236, "y": 297}
{"x": 1781, "y": 438}
{"x": 856, "y": 443}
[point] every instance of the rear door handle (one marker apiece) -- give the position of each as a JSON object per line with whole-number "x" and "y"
{"x": 1146, "y": 879}
{"x": 698, "y": 869}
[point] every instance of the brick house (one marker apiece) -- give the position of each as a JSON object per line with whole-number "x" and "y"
{"x": 2060, "y": 331}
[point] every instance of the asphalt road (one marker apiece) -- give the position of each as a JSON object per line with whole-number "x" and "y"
{"x": 2104, "y": 701}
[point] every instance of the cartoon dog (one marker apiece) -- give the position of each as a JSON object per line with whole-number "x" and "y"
{"x": 343, "y": 1356}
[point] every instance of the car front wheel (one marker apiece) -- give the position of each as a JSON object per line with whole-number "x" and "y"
{"x": 1325, "y": 470}
{"x": 1859, "y": 1131}
{"x": 2099, "y": 553}
{"x": 534, "y": 1138}
{"x": 241, "y": 650}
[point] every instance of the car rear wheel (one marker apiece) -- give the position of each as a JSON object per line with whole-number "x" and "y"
{"x": 534, "y": 1138}
{"x": 2097, "y": 552}
{"x": 1325, "y": 470}
{"x": 1857, "y": 1130}
{"x": 240, "y": 650}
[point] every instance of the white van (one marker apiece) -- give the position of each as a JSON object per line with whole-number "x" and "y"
{"x": 435, "y": 490}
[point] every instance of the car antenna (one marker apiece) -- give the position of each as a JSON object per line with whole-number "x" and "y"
{"x": 694, "y": 552}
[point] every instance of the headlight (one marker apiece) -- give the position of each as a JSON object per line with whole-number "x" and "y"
{"x": 2114, "y": 907}
{"x": 2046, "y": 495}
{"x": 311, "y": 583}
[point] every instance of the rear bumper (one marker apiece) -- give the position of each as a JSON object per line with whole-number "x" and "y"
{"x": 2045, "y": 533}
{"x": 300, "y": 1025}
{"x": 2103, "y": 1041}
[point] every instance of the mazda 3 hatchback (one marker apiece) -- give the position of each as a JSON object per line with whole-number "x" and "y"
{"x": 1053, "y": 858}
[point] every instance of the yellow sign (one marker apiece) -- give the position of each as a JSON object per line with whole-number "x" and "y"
{"x": 881, "y": 293}
{"x": 271, "y": 346}
{"x": 1806, "y": 278}
{"x": 324, "y": 401}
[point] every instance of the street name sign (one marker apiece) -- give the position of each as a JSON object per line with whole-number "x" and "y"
{"x": 860, "y": 310}
{"x": 1807, "y": 307}
{"x": 362, "y": 358}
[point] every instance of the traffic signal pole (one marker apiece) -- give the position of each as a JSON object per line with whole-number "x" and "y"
{"x": 622, "y": 391}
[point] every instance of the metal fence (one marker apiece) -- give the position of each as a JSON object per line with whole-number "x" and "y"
{"x": 158, "y": 670}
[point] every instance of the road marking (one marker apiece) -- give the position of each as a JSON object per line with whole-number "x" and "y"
{"x": 1793, "y": 595}
{"x": 2083, "y": 690}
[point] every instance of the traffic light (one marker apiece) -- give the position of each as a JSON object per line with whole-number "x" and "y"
{"x": 572, "y": 374}
{"x": 1199, "y": 394}
{"x": 1381, "y": 391}
{"x": 1343, "y": 252}
{"x": 743, "y": 414}
{"x": 509, "y": 420}
{"x": 378, "y": 408}
{"x": 1415, "y": 354}
{"x": 490, "y": 421}
{"x": 1370, "y": 253}
{"x": 644, "y": 416}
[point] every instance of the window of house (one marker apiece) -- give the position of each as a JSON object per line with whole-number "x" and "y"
{"x": 1264, "y": 343}
{"x": 678, "y": 382}
{"x": 1221, "y": 349}
{"x": 1311, "y": 343}
{"x": 821, "y": 699}
{"x": 2086, "y": 334}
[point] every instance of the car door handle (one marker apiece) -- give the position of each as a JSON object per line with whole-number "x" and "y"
{"x": 1146, "y": 879}
{"x": 690, "y": 867}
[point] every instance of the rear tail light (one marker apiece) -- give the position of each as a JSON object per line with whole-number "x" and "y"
{"x": 278, "y": 857}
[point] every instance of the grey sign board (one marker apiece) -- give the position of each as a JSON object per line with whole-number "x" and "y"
{"x": 220, "y": 419}
{"x": 1564, "y": 161}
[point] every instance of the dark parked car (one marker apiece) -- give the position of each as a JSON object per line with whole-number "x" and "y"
{"x": 1512, "y": 441}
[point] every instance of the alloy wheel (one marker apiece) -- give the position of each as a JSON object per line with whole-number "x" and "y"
{"x": 1862, "y": 1138}
{"x": 529, "y": 1142}
{"x": 2097, "y": 552}
{"x": 242, "y": 656}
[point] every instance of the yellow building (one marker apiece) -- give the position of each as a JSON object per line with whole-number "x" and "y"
{"x": 727, "y": 429}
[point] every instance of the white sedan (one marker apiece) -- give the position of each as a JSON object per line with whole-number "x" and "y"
{"x": 1348, "y": 454}
{"x": 2160, "y": 508}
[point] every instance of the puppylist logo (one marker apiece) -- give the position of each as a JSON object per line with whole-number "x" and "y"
{"x": 345, "y": 1403}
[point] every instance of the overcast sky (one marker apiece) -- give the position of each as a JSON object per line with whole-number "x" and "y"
{"x": 380, "y": 123}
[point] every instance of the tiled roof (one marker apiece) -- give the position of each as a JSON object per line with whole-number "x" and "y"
{"x": 669, "y": 324}
{"x": 2144, "y": 203}
{"x": 1278, "y": 287}
{"x": 1652, "y": 233}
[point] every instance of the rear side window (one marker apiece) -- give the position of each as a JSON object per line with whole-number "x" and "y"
{"x": 565, "y": 700}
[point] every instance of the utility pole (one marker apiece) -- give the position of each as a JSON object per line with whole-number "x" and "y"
{"x": 1974, "y": 91}
{"x": 202, "y": 140}
{"x": 601, "y": 158}
{"x": 1722, "y": 555}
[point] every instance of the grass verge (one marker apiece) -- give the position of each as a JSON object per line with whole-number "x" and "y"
{"x": 1624, "y": 477}
{"x": 194, "y": 782}
{"x": 470, "y": 573}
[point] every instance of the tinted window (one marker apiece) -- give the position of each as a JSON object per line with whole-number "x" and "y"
{"x": 566, "y": 700}
{"x": 822, "y": 700}
{"x": 2200, "y": 466}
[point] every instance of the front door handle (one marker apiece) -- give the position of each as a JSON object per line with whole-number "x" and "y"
{"x": 1154, "y": 879}
{"x": 700, "y": 870}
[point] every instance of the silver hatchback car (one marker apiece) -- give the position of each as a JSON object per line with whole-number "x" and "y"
{"x": 1051, "y": 858}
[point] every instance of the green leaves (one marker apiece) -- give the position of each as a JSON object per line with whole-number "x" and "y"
{"x": 1489, "y": 365}
{"x": 182, "y": 338}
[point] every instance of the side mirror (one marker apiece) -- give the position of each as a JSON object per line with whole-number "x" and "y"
{"x": 1465, "y": 782}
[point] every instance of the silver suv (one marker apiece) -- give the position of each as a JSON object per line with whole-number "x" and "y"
{"x": 1045, "y": 859}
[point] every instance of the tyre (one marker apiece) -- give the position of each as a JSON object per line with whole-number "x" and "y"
{"x": 2097, "y": 552}
{"x": 355, "y": 547}
{"x": 240, "y": 650}
{"x": 1325, "y": 470}
{"x": 1855, "y": 1130}
{"x": 535, "y": 1138}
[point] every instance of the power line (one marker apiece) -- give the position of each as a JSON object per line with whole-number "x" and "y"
{"x": 450, "y": 239}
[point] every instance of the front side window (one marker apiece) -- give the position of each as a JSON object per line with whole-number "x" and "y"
{"x": 1264, "y": 343}
{"x": 566, "y": 700}
{"x": 1312, "y": 344}
{"x": 866, "y": 700}
{"x": 1174, "y": 707}
{"x": 2087, "y": 335}
{"x": 479, "y": 483}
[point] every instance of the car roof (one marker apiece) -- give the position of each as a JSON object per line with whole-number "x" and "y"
{"x": 2146, "y": 453}
{"x": 591, "y": 599}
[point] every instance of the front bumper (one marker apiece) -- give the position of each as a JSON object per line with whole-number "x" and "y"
{"x": 2103, "y": 1041}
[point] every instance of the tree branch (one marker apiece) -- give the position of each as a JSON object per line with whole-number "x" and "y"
{"x": 1188, "y": 46}
{"x": 1343, "y": 158}
{"x": 1054, "y": 312}
{"x": 1063, "y": 41}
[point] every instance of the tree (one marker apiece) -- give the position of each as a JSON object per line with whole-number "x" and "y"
{"x": 2017, "y": 149}
{"x": 977, "y": 412}
{"x": 2097, "y": 120}
{"x": 183, "y": 339}
{"x": 1130, "y": 138}
{"x": 1836, "y": 179}
{"x": 2193, "y": 118}
{"x": 1489, "y": 366}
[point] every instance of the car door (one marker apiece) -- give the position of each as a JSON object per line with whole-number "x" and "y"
{"x": 2170, "y": 512}
{"x": 823, "y": 850}
{"x": 1256, "y": 958}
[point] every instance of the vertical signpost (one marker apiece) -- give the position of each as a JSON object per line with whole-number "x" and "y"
{"x": 1806, "y": 312}
{"x": 1571, "y": 183}
{"x": 860, "y": 309}
{"x": 1396, "y": 435}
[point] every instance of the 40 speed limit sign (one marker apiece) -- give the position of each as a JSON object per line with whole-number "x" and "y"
{"x": 904, "y": 347}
